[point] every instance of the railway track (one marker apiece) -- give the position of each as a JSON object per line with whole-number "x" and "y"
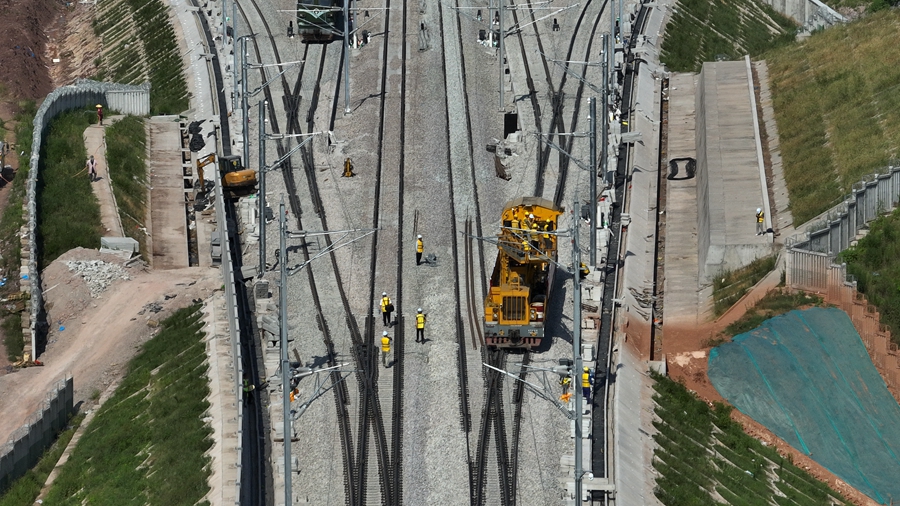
{"x": 291, "y": 103}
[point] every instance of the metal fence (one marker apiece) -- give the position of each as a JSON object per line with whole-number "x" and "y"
{"x": 126, "y": 99}
{"x": 27, "y": 444}
{"x": 836, "y": 229}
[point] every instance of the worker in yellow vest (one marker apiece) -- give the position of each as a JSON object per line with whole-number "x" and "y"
{"x": 760, "y": 219}
{"x": 385, "y": 347}
{"x": 420, "y": 326}
{"x": 420, "y": 247}
{"x": 586, "y": 381}
{"x": 386, "y": 309}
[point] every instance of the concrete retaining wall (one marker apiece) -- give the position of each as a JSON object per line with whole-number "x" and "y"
{"x": 122, "y": 98}
{"x": 811, "y": 14}
{"x": 26, "y": 445}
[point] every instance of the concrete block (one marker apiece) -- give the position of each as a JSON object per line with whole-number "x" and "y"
{"x": 588, "y": 324}
{"x": 587, "y": 352}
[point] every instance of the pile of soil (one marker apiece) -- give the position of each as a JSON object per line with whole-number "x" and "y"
{"x": 24, "y": 68}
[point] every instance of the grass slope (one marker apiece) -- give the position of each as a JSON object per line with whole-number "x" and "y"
{"x": 68, "y": 210}
{"x": 139, "y": 45}
{"x": 836, "y": 104}
{"x": 704, "y": 457}
{"x": 147, "y": 444}
{"x": 704, "y": 30}
{"x": 126, "y": 153}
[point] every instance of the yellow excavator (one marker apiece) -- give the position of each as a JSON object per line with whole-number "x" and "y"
{"x": 236, "y": 180}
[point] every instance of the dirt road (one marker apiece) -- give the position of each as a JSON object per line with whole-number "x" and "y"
{"x": 100, "y": 334}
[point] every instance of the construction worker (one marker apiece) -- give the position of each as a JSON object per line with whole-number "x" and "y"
{"x": 92, "y": 168}
{"x": 385, "y": 347}
{"x": 420, "y": 248}
{"x": 100, "y": 114}
{"x": 386, "y": 309}
{"x": 584, "y": 271}
{"x": 420, "y": 326}
{"x": 586, "y": 381}
{"x": 548, "y": 242}
{"x": 760, "y": 219}
{"x": 565, "y": 382}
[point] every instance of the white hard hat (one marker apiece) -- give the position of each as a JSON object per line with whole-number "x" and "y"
{"x": 420, "y": 310}
{"x": 384, "y": 294}
{"x": 758, "y": 209}
{"x": 419, "y": 236}
{"x": 531, "y": 215}
{"x": 384, "y": 333}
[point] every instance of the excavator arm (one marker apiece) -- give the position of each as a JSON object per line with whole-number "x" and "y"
{"x": 203, "y": 162}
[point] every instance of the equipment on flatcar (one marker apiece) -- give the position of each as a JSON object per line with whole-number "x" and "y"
{"x": 523, "y": 274}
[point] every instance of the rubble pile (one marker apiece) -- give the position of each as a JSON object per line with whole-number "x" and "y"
{"x": 97, "y": 274}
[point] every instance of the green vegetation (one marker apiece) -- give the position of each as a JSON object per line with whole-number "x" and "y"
{"x": 868, "y": 5}
{"x": 140, "y": 45}
{"x": 147, "y": 443}
{"x": 69, "y": 212}
{"x": 704, "y": 457}
{"x": 730, "y": 286}
{"x": 126, "y": 153}
{"x": 10, "y": 223}
{"x": 701, "y": 31}
{"x": 25, "y": 490}
{"x": 836, "y": 106}
{"x": 875, "y": 262}
{"x": 775, "y": 303}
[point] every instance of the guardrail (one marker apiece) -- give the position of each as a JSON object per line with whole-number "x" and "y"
{"x": 123, "y": 98}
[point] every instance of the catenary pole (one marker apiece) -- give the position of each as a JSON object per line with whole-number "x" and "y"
{"x": 234, "y": 54}
{"x": 244, "y": 98}
{"x": 262, "y": 187}
{"x": 604, "y": 135}
{"x": 346, "y": 57}
{"x": 502, "y": 46}
{"x": 576, "y": 350}
{"x": 593, "y": 176}
{"x": 285, "y": 365}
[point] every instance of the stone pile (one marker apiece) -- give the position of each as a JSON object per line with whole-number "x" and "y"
{"x": 97, "y": 274}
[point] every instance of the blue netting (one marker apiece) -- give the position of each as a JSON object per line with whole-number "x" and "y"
{"x": 807, "y": 377}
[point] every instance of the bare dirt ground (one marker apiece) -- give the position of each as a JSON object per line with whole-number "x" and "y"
{"x": 100, "y": 335}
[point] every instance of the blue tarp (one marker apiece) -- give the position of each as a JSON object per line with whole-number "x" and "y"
{"x": 807, "y": 377}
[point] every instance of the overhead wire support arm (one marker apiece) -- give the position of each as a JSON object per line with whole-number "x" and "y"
{"x": 263, "y": 85}
{"x": 519, "y": 27}
{"x": 553, "y": 145}
{"x": 334, "y": 245}
{"x": 565, "y": 66}
{"x": 277, "y": 164}
{"x": 539, "y": 391}
{"x": 319, "y": 389}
